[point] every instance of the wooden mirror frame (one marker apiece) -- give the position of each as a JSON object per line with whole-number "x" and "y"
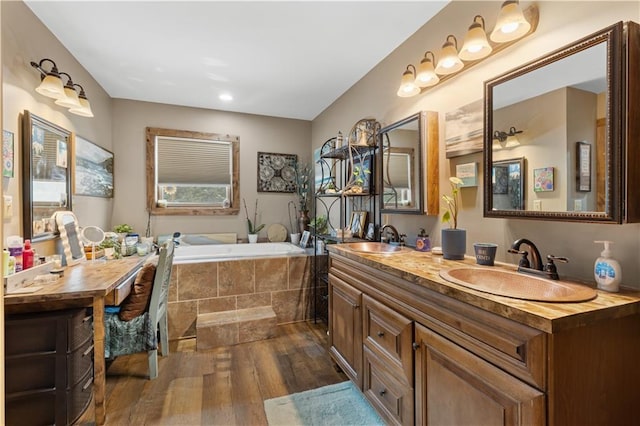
{"x": 151, "y": 134}
{"x": 613, "y": 145}
{"x": 427, "y": 173}
{"x": 30, "y": 120}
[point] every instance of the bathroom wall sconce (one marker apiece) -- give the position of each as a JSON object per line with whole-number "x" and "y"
{"x": 512, "y": 24}
{"x": 507, "y": 139}
{"x": 65, "y": 95}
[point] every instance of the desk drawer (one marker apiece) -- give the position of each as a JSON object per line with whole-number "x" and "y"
{"x": 121, "y": 292}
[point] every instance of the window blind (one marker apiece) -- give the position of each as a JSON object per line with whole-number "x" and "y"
{"x": 193, "y": 162}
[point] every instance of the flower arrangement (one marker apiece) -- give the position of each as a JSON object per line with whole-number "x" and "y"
{"x": 253, "y": 228}
{"x": 452, "y": 203}
{"x": 303, "y": 171}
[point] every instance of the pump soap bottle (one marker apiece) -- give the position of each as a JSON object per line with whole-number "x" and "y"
{"x": 607, "y": 271}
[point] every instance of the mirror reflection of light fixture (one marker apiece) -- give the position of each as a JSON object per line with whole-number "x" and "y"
{"x": 449, "y": 61}
{"x": 511, "y": 23}
{"x": 50, "y": 84}
{"x": 70, "y": 99}
{"x": 65, "y": 95}
{"x": 427, "y": 76}
{"x": 507, "y": 139}
{"x": 475, "y": 44}
{"x": 408, "y": 85}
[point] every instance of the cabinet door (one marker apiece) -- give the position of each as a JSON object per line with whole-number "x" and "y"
{"x": 345, "y": 328}
{"x": 455, "y": 387}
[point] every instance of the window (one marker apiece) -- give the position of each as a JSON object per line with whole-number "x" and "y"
{"x": 192, "y": 173}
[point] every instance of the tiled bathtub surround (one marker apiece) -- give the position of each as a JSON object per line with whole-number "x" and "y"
{"x": 284, "y": 283}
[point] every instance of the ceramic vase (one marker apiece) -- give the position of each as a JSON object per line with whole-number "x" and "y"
{"x": 295, "y": 238}
{"x": 303, "y": 221}
{"x": 253, "y": 238}
{"x": 454, "y": 243}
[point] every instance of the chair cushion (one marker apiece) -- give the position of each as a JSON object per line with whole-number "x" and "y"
{"x": 137, "y": 302}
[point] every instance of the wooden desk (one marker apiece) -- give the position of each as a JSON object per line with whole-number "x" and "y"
{"x": 85, "y": 284}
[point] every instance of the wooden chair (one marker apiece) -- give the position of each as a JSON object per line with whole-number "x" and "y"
{"x": 141, "y": 333}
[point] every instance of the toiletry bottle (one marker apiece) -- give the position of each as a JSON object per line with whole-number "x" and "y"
{"x": 11, "y": 266}
{"x": 14, "y": 243}
{"x": 607, "y": 271}
{"x": 5, "y": 262}
{"x": 423, "y": 243}
{"x": 27, "y": 255}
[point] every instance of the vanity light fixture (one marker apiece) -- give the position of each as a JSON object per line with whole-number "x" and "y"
{"x": 507, "y": 139}
{"x": 408, "y": 85}
{"x": 511, "y": 23}
{"x": 65, "y": 95}
{"x": 50, "y": 82}
{"x": 475, "y": 44}
{"x": 427, "y": 76}
{"x": 449, "y": 61}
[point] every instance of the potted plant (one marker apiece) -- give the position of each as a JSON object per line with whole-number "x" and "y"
{"x": 294, "y": 235}
{"x": 356, "y": 183}
{"x": 253, "y": 228}
{"x": 123, "y": 230}
{"x": 319, "y": 223}
{"x": 454, "y": 240}
{"x": 111, "y": 248}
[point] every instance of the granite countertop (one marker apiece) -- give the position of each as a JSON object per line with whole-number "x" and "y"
{"x": 422, "y": 268}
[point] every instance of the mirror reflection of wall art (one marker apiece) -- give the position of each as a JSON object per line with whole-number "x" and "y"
{"x": 276, "y": 172}
{"x": 543, "y": 179}
{"x": 7, "y": 154}
{"x": 584, "y": 166}
{"x": 464, "y": 130}
{"x": 500, "y": 179}
{"x": 93, "y": 171}
{"x": 61, "y": 154}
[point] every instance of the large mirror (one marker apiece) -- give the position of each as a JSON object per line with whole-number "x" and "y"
{"x": 46, "y": 175}
{"x": 408, "y": 153}
{"x": 560, "y": 114}
{"x": 192, "y": 173}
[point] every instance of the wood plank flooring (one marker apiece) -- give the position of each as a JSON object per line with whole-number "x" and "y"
{"x": 223, "y": 386}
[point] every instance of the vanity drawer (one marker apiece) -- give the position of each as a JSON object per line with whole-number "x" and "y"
{"x": 389, "y": 334}
{"x": 392, "y": 398}
{"x": 118, "y": 294}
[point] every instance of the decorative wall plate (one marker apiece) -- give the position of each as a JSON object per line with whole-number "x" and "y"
{"x": 277, "y": 233}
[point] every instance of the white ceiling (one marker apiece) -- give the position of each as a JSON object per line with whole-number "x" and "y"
{"x": 284, "y": 59}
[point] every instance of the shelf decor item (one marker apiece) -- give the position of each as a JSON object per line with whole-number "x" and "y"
{"x": 454, "y": 240}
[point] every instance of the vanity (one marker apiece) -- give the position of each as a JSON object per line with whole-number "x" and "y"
{"x": 424, "y": 350}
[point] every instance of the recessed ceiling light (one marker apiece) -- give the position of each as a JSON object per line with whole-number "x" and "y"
{"x": 225, "y": 97}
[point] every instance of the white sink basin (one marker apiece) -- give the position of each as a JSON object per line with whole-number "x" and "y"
{"x": 518, "y": 285}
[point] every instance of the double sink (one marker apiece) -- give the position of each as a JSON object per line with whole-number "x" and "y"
{"x": 497, "y": 281}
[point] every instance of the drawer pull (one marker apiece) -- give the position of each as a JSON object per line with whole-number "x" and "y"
{"x": 380, "y": 333}
{"x": 382, "y": 392}
{"x": 355, "y": 305}
{"x": 88, "y": 351}
{"x": 415, "y": 346}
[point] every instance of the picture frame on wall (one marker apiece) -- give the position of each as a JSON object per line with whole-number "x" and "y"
{"x": 543, "y": 179}
{"x": 583, "y": 172}
{"x": 8, "y": 150}
{"x": 277, "y": 172}
{"x": 304, "y": 240}
{"x": 464, "y": 129}
{"x": 93, "y": 169}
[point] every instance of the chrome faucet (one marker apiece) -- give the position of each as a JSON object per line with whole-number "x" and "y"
{"x": 396, "y": 237}
{"x": 548, "y": 271}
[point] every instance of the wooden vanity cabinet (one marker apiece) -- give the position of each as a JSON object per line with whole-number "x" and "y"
{"x": 345, "y": 334}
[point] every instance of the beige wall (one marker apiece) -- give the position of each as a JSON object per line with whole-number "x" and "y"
{"x": 26, "y": 39}
{"x": 375, "y": 96}
{"x": 257, "y": 133}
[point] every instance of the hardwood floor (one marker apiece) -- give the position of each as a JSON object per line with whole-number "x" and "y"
{"x": 223, "y": 386}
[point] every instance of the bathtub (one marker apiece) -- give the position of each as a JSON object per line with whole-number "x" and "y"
{"x": 210, "y": 253}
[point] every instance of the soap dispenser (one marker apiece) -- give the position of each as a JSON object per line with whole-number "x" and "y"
{"x": 607, "y": 271}
{"x": 422, "y": 242}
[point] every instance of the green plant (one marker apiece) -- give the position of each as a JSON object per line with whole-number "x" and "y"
{"x": 453, "y": 203}
{"x": 253, "y": 228}
{"x": 359, "y": 173}
{"x": 303, "y": 171}
{"x": 123, "y": 228}
{"x": 320, "y": 224}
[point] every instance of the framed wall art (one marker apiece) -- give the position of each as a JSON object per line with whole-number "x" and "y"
{"x": 543, "y": 179}
{"x": 583, "y": 172}
{"x": 7, "y": 154}
{"x": 464, "y": 130}
{"x": 276, "y": 172}
{"x": 93, "y": 169}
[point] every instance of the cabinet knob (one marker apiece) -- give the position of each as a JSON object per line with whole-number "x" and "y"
{"x": 415, "y": 346}
{"x": 380, "y": 333}
{"x": 382, "y": 392}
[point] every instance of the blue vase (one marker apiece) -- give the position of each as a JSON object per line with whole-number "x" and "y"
{"x": 454, "y": 243}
